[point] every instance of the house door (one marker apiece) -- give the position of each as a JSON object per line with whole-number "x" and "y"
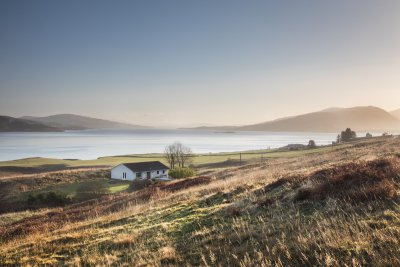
{"x": 148, "y": 175}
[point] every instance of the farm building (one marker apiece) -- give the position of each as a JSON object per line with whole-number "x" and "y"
{"x": 140, "y": 170}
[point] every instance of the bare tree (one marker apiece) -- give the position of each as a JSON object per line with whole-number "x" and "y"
{"x": 169, "y": 154}
{"x": 178, "y": 155}
{"x": 184, "y": 155}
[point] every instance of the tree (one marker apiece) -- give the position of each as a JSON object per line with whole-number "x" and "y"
{"x": 338, "y": 139}
{"x": 169, "y": 154}
{"x": 347, "y": 135}
{"x": 311, "y": 144}
{"x": 368, "y": 135}
{"x": 178, "y": 155}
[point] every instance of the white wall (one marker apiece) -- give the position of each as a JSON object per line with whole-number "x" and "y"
{"x": 154, "y": 174}
{"x": 117, "y": 173}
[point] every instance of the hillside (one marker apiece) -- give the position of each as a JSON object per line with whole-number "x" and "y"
{"x": 10, "y": 124}
{"x": 339, "y": 207}
{"x": 396, "y": 113}
{"x": 358, "y": 118}
{"x": 328, "y": 120}
{"x": 77, "y": 122}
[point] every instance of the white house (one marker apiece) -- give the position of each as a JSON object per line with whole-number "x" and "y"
{"x": 140, "y": 170}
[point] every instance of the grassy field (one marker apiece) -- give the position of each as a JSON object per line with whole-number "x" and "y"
{"x": 334, "y": 207}
{"x": 198, "y": 159}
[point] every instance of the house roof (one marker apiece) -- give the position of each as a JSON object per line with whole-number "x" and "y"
{"x": 145, "y": 166}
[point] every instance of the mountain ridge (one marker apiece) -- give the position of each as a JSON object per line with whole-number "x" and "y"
{"x": 361, "y": 118}
{"x": 396, "y": 113}
{"x": 11, "y": 124}
{"x": 79, "y": 122}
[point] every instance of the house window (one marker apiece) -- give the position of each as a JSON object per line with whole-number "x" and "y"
{"x": 158, "y": 172}
{"x": 124, "y": 175}
{"x": 163, "y": 171}
{"x": 138, "y": 175}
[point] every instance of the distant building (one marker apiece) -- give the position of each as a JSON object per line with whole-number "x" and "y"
{"x": 140, "y": 170}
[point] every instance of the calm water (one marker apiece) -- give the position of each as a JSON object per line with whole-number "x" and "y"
{"x": 97, "y": 143}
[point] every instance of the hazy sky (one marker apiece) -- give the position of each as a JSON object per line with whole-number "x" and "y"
{"x": 197, "y": 62}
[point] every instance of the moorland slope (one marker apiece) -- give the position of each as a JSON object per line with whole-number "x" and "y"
{"x": 329, "y": 208}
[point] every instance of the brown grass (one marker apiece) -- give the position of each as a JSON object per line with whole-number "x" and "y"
{"x": 186, "y": 183}
{"x": 362, "y": 181}
{"x": 96, "y": 207}
{"x": 252, "y": 215}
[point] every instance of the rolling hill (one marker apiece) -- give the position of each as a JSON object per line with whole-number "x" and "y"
{"x": 396, "y": 113}
{"x": 77, "y": 122}
{"x": 10, "y": 124}
{"x": 328, "y": 120}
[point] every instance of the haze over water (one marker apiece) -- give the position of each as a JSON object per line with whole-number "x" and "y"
{"x": 92, "y": 144}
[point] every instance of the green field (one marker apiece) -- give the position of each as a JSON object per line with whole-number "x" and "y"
{"x": 198, "y": 159}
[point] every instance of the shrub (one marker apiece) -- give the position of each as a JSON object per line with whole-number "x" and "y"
{"x": 91, "y": 189}
{"x": 178, "y": 173}
{"x": 311, "y": 144}
{"x": 56, "y": 198}
{"x": 31, "y": 199}
{"x": 347, "y": 135}
{"x": 51, "y": 198}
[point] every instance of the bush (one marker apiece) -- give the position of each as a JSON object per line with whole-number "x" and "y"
{"x": 56, "y": 198}
{"x": 347, "y": 135}
{"x": 92, "y": 189}
{"x": 51, "y": 198}
{"x": 311, "y": 144}
{"x": 179, "y": 173}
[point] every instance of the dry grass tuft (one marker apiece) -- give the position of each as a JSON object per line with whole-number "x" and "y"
{"x": 167, "y": 255}
{"x": 357, "y": 182}
{"x": 184, "y": 184}
{"x": 125, "y": 240}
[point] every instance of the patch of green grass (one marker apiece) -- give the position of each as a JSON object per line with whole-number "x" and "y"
{"x": 118, "y": 187}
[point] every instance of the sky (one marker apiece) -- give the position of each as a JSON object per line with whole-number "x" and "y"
{"x": 188, "y": 63}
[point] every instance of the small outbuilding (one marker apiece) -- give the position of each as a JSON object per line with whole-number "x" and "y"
{"x": 140, "y": 170}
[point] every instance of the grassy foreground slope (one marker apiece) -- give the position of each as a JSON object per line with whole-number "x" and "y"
{"x": 334, "y": 208}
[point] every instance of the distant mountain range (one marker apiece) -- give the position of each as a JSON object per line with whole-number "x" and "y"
{"x": 58, "y": 123}
{"x": 76, "y": 122}
{"x": 10, "y": 124}
{"x": 328, "y": 120}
